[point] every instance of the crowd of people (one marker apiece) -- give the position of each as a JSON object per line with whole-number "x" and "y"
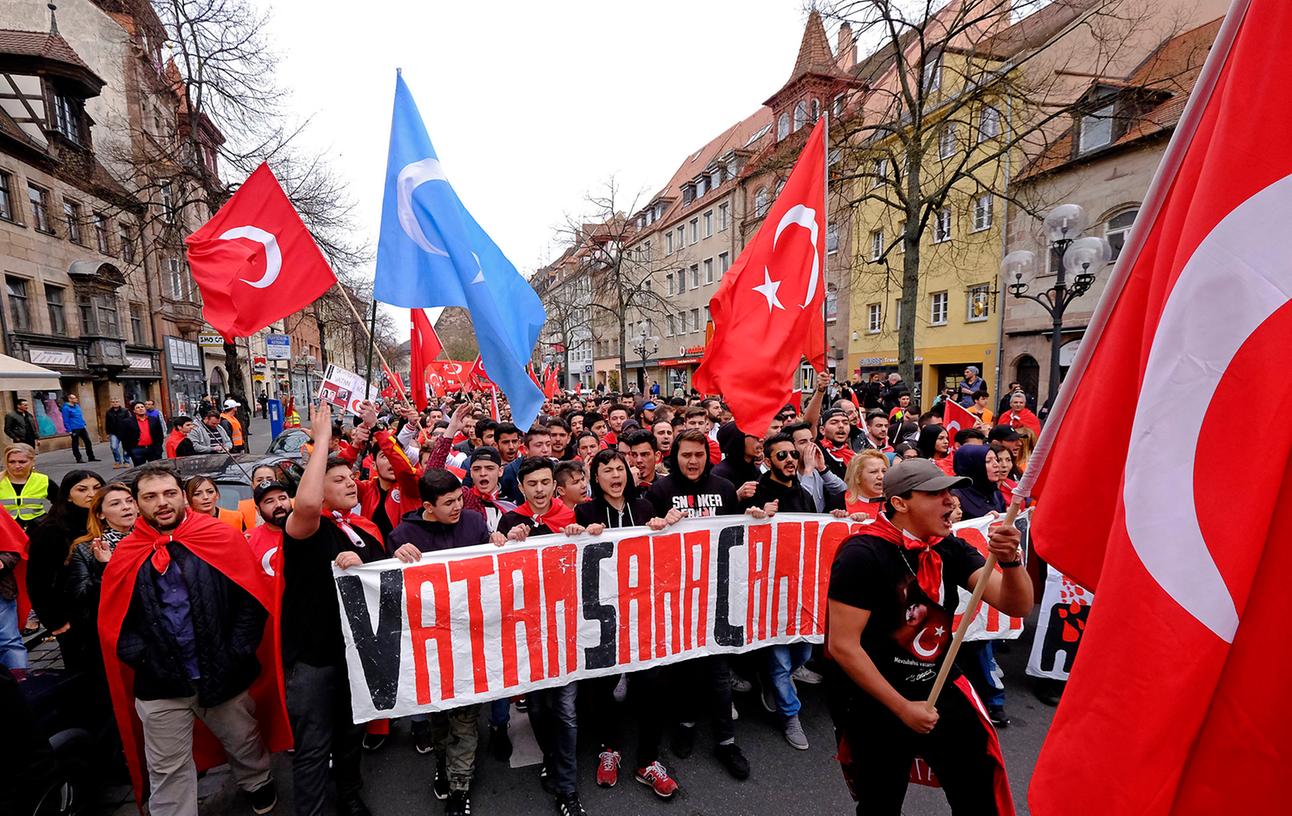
{"x": 176, "y": 610}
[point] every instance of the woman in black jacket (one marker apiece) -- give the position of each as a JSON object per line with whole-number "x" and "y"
{"x": 112, "y": 516}
{"x": 48, "y": 567}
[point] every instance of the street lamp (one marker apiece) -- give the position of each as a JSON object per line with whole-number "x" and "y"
{"x": 643, "y": 352}
{"x": 1080, "y": 256}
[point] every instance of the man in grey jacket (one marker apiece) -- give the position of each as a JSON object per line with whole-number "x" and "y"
{"x": 208, "y": 437}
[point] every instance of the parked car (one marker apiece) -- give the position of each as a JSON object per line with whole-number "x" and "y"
{"x": 289, "y": 444}
{"x": 230, "y": 472}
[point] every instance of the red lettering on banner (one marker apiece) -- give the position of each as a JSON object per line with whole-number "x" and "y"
{"x": 786, "y": 570}
{"x": 560, "y": 587}
{"x": 473, "y": 570}
{"x": 832, "y": 535}
{"x": 759, "y": 548}
{"x": 809, "y": 621}
{"x": 530, "y": 615}
{"x": 629, "y": 551}
{"x": 437, "y": 575}
{"x": 695, "y": 588}
{"x": 666, "y": 583}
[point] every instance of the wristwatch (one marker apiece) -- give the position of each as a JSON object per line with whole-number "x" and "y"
{"x": 1017, "y": 562}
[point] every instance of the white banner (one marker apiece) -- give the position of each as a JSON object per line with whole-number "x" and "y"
{"x": 1064, "y": 609}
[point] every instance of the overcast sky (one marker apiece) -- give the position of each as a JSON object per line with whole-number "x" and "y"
{"x": 531, "y": 105}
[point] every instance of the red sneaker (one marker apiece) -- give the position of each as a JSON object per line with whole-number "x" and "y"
{"x": 608, "y": 769}
{"x": 656, "y": 776}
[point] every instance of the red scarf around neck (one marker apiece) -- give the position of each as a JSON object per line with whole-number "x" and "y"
{"x": 929, "y": 574}
{"x": 346, "y": 519}
{"x": 556, "y": 519}
{"x": 842, "y": 453}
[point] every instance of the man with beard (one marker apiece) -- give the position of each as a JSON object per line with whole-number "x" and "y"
{"x": 663, "y": 432}
{"x": 893, "y": 596}
{"x": 739, "y": 464}
{"x": 826, "y": 489}
{"x": 321, "y": 531}
{"x": 183, "y": 613}
{"x": 643, "y": 455}
{"x": 835, "y": 447}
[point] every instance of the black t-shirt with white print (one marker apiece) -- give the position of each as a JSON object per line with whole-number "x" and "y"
{"x": 710, "y": 496}
{"x": 907, "y": 633}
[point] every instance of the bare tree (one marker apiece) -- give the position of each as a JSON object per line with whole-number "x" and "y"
{"x": 956, "y": 97}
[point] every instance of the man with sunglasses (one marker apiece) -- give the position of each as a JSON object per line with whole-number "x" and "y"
{"x": 780, "y": 484}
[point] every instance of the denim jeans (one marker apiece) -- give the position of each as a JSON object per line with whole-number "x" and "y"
{"x": 556, "y": 726}
{"x": 118, "y": 451}
{"x": 12, "y": 653}
{"x": 978, "y": 661}
{"x": 781, "y": 663}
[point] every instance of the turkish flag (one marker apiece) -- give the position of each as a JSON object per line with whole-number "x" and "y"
{"x": 478, "y": 378}
{"x": 451, "y": 375}
{"x": 254, "y": 261}
{"x": 551, "y": 382}
{"x": 423, "y": 347}
{"x": 767, "y": 313}
{"x": 1178, "y": 699}
{"x": 956, "y": 418}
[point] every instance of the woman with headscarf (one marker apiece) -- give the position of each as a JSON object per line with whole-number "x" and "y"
{"x": 977, "y": 659}
{"x": 53, "y": 541}
{"x": 935, "y": 444}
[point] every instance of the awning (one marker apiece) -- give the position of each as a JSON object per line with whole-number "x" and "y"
{"x": 19, "y": 375}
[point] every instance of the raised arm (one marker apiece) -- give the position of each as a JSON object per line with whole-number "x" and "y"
{"x": 308, "y": 506}
{"x": 813, "y": 413}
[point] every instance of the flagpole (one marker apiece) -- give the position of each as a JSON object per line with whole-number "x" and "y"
{"x": 372, "y": 343}
{"x": 825, "y": 219}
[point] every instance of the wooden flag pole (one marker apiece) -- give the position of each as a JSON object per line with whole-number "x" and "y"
{"x": 971, "y": 610}
{"x": 373, "y": 342}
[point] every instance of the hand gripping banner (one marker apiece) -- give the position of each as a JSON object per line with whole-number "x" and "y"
{"x": 474, "y": 624}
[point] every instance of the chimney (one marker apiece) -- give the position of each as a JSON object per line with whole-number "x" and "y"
{"x": 846, "y": 49}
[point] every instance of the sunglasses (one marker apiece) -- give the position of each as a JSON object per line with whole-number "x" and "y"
{"x": 781, "y": 456}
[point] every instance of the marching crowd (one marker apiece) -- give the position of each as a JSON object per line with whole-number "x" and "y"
{"x": 169, "y": 609}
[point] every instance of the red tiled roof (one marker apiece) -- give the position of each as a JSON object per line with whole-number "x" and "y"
{"x": 815, "y": 56}
{"x": 39, "y": 44}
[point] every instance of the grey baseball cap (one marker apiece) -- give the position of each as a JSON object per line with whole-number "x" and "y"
{"x": 920, "y": 475}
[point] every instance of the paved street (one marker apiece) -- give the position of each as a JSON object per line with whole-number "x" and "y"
{"x": 783, "y": 780}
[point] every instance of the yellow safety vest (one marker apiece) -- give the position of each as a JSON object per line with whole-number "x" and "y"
{"x": 236, "y": 426}
{"x": 32, "y": 503}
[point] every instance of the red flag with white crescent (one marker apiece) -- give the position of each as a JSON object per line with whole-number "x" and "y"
{"x": 955, "y": 418}
{"x": 1176, "y": 703}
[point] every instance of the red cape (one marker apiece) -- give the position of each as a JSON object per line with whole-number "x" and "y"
{"x": 557, "y": 518}
{"x": 13, "y": 539}
{"x": 225, "y": 549}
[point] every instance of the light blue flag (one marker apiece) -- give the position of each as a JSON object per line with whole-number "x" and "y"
{"x": 431, "y": 252}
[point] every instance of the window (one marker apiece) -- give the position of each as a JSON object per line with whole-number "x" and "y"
{"x": 101, "y": 233}
{"x": 695, "y": 230}
{"x": 876, "y": 245}
{"x": 695, "y": 276}
{"x": 815, "y": 110}
{"x": 831, "y": 237}
{"x": 701, "y": 186}
{"x": 669, "y": 279}
{"x": 979, "y": 303}
{"x": 831, "y": 302}
{"x": 782, "y": 126}
{"x": 86, "y": 309}
{"x": 800, "y": 114}
{"x": 879, "y": 172}
{"x": 708, "y": 224}
{"x": 19, "y": 308}
{"x": 947, "y": 141}
{"x": 723, "y": 216}
{"x": 681, "y": 281}
{"x": 901, "y": 238}
{"x": 836, "y": 107}
{"x": 176, "y": 275}
{"x": 942, "y": 228}
{"x": 938, "y": 309}
{"x": 760, "y": 202}
{"x": 932, "y": 72}
{"x": 39, "y": 198}
{"x": 6, "y": 196}
{"x": 54, "y": 304}
{"x": 1118, "y": 230}
{"x": 107, "y": 308}
{"x": 68, "y": 116}
{"x": 668, "y": 243}
{"x": 681, "y": 237}
{"x": 874, "y": 318}
{"x": 897, "y": 314}
{"x": 695, "y": 320}
{"x": 127, "y": 242}
{"x": 167, "y": 202}
{"x": 137, "y": 324}
{"x": 1096, "y": 129}
{"x": 72, "y": 214}
{"x": 708, "y": 271}
{"x": 988, "y": 124}
{"x": 982, "y": 212}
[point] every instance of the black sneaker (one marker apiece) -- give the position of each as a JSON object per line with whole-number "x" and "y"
{"x": 547, "y": 779}
{"x": 500, "y": 743}
{"x": 352, "y": 805}
{"x": 683, "y": 741}
{"x": 373, "y": 742}
{"x": 459, "y": 804}
{"x": 733, "y": 759}
{"x": 263, "y": 798}
{"x": 440, "y": 785}
{"x": 568, "y": 804}
{"x": 998, "y": 717}
{"x": 522, "y": 704}
{"x": 422, "y": 738}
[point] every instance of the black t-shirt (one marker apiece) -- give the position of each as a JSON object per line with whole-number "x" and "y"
{"x": 379, "y": 516}
{"x": 512, "y": 519}
{"x": 907, "y": 633}
{"x": 311, "y": 615}
{"x": 636, "y": 513}
{"x": 710, "y": 496}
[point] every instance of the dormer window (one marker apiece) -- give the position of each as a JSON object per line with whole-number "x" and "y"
{"x": 782, "y": 126}
{"x": 800, "y": 114}
{"x": 1096, "y": 130}
{"x": 69, "y": 117}
{"x": 932, "y": 79}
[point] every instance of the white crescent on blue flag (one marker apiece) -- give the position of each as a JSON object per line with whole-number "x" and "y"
{"x": 431, "y": 252}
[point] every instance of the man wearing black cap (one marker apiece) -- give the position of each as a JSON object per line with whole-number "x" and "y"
{"x": 1008, "y": 437}
{"x": 893, "y": 595}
